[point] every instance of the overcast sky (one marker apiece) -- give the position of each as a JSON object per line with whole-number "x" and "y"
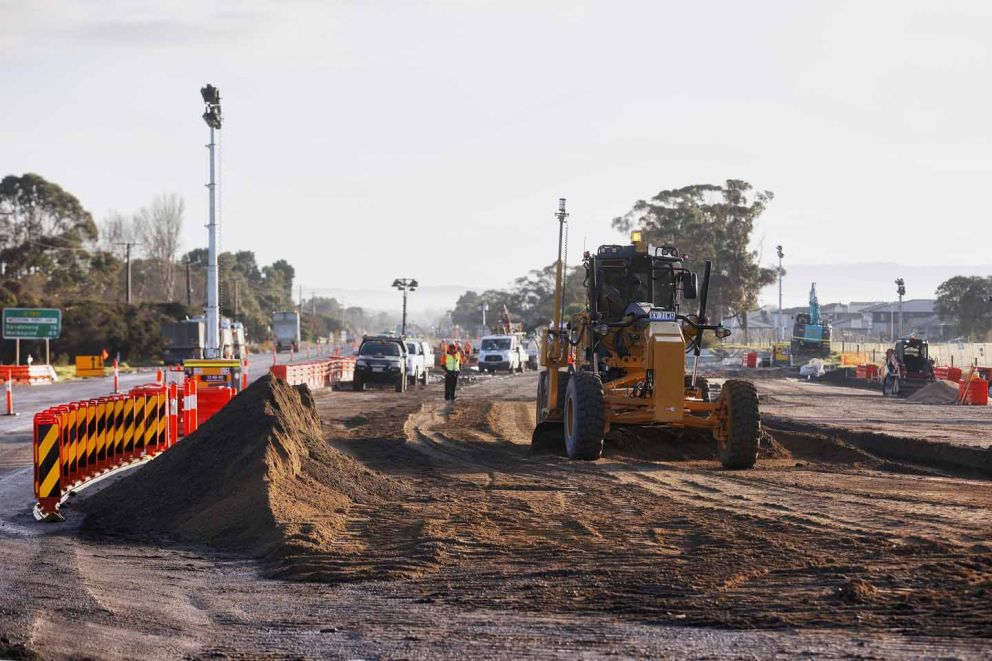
{"x": 369, "y": 140}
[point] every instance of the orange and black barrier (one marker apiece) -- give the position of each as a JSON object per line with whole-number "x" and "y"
{"x": 80, "y": 442}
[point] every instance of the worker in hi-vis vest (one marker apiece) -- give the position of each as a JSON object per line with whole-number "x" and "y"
{"x": 452, "y": 365}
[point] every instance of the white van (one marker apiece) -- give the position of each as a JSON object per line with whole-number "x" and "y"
{"x": 502, "y": 352}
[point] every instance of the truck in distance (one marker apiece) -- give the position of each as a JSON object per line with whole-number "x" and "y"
{"x": 286, "y": 331}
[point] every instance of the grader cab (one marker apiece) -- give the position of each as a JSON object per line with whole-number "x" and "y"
{"x": 622, "y": 360}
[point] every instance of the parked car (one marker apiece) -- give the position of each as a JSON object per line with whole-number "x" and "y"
{"x": 419, "y": 360}
{"x": 502, "y": 352}
{"x": 381, "y": 360}
{"x": 533, "y": 347}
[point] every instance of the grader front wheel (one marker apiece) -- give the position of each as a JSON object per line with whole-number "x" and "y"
{"x": 584, "y": 417}
{"x": 740, "y": 425}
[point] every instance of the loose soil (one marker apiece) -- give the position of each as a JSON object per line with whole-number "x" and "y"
{"x": 413, "y": 527}
{"x": 938, "y": 392}
{"x": 257, "y": 478}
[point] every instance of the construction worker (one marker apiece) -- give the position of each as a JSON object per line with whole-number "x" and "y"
{"x": 452, "y": 365}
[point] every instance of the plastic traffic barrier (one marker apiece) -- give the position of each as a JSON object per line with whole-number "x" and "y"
{"x": 79, "y": 442}
{"x": 316, "y": 374}
{"x": 27, "y": 375}
{"x": 974, "y": 392}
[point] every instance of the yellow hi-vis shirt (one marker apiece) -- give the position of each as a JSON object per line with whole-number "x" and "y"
{"x": 452, "y": 362}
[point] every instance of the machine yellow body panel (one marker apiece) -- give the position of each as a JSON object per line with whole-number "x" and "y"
{"x": 666, "y": 355}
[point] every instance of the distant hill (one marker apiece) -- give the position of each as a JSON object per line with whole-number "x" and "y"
{"x": 428, "y": 299}
{"x": 863, "y": 282}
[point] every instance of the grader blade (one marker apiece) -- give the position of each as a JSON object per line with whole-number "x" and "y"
{"x": 548, "y": 438}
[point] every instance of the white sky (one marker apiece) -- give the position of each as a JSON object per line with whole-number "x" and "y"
{"x": 369, "y": 140}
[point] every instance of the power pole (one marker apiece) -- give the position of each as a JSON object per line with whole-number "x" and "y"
{"x": 189, "y": 285}
{"x": 127, "y": 260}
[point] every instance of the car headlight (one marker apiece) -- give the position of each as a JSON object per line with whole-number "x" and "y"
{"x": 361, "y": 362}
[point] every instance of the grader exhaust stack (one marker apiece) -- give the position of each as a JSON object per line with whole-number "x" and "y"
{"x": 621, "y": 360}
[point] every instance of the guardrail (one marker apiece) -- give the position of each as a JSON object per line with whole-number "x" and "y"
{"x": 81, "y": 442}
{"x": 317, "y": 373}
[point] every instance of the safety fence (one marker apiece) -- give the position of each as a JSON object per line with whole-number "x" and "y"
{"x": 80, "y": 442}
{"x": 27, "y": 374}
{"x": 317, "y": 373}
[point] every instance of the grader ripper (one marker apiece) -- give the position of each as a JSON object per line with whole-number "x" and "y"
{"x": 621, "y": 360}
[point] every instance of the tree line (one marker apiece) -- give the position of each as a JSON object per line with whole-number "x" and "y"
{"x": 54, "y": 254}
{"x": 704, "y": 221}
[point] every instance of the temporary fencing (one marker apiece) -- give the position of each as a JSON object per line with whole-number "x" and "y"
{"x": 316, "y": 373}
{"x": 79, "y": 442}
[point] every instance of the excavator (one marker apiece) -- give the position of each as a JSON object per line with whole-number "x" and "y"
{"x": 811, "y": 332}
{"x": 622, "y": 359}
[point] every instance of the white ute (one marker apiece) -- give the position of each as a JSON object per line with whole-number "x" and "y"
{"x": 502, "y": 352}
{"x": 419, "y": 360}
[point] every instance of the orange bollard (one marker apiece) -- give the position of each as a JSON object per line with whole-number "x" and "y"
{"x": 158, "y": 376}
{"x": 10, "y": 396}
{"x": 244, "y": 374}
{"x": 117, "y": 378}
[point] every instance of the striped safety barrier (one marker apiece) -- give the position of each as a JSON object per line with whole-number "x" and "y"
{"x": 27, "y": 375}
{"x": 317, "y": 373}
{"x": 80, "y": 442}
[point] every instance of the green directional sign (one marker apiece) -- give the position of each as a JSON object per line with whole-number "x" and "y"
{"x": 32, "y": 323}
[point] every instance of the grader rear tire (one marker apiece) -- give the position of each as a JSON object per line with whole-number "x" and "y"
{"x": 584, "y": 417}
{"x": 742, "y": 425}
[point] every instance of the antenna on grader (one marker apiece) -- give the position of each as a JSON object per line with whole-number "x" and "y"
{"x": 703, "y": 295}
{"x": 559, "y": 280}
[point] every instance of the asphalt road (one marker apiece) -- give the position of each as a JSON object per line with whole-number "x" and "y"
{"x": 29, "y": 400}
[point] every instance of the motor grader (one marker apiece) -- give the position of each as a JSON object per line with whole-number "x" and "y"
{"x": 622, "y": 359}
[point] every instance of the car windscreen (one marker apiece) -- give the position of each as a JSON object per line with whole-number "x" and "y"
{"x": 501, "y": 344}
{"x": 411, "y": 348}
{"x": 380, "y": 349}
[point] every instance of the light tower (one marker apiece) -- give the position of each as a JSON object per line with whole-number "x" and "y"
{"x": 405, "y": 285}
{"x": 211, "y": 115}
{"x": 901, "y": 290}
{"x": 781, "y": 331}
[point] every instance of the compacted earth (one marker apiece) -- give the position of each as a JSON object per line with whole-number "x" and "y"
{"x": 385, "y": 525}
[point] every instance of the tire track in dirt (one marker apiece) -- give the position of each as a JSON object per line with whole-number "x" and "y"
{"x": 688, "y": 543}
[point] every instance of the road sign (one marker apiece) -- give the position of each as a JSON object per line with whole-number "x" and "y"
{"x": 32, "y": 323}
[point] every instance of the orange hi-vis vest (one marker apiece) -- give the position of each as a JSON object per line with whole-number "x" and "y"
{"x": 452, "y": 362}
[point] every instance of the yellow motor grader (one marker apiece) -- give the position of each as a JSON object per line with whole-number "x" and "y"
{"x": 622, "y": 359}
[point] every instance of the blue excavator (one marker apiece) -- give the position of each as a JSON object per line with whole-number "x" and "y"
{"x": 811, "y": 332}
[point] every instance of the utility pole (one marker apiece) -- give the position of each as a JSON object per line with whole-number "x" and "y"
{"x": 405, "y": 285}
{"x": 127, "y": 260}
{"x": 189, "y": 285}
{"x": 485, "y": 308}
{"x": 212, "y": 116}
{"x": 781, "y": 331}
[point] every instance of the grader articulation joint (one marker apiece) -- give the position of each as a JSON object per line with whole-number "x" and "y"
{"x": 621, "y": 360}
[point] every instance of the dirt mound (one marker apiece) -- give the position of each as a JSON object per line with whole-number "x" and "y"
{"x": 257, "y": 478}
{"x": 938, "y": 392}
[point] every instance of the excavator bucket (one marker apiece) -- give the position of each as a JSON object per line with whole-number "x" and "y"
{"x": 548, "y": 438}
